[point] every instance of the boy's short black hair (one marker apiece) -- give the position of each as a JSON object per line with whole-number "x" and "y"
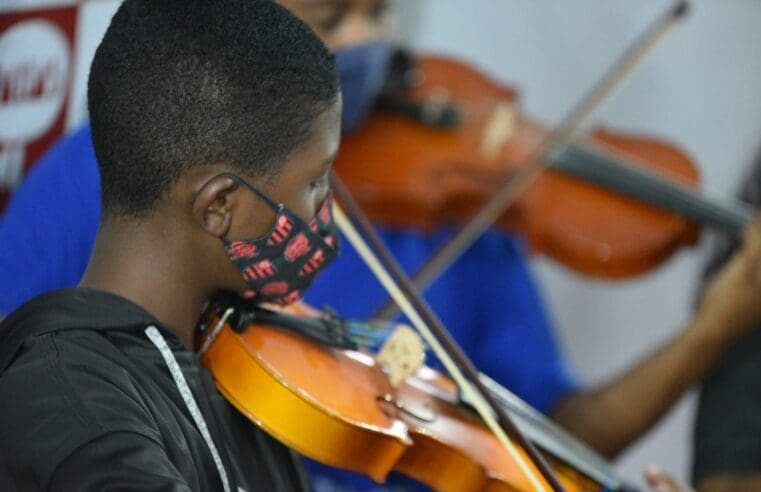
{"x": 182, "y": 83}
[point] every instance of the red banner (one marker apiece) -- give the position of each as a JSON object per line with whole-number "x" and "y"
{"x": 36, "y": 60}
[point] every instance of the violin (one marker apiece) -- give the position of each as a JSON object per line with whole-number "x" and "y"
{"x": 339, "y": 407}
{"x": 444, "y": 137}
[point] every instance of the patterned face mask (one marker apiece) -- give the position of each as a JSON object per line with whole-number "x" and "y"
{"x": 281, "y": 265}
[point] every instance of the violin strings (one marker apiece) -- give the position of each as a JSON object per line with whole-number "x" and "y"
{"x": 372, "y": 261}
{"x": 567, "y": 131}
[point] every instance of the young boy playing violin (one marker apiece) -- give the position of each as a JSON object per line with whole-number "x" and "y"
{"x": 60, "y": 201}
{"x": 508, "y": 335}
{"x": 215, "y": 124}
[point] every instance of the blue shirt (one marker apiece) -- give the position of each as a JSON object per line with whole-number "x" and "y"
{"x": 47, "y": 231}
{"x": 487, "y": 298}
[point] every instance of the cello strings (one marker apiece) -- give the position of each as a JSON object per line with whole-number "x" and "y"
{"x": 567, "y": 131}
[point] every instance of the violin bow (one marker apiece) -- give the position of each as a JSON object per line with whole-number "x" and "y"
{"x": 399, "y": 286}
{"x": 560, "y": 137}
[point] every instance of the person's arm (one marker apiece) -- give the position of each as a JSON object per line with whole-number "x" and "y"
{"x": 610, "y": 417}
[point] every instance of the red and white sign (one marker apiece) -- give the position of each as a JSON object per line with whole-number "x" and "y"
{"x": 36, "y": 51}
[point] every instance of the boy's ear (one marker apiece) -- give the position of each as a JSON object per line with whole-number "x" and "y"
{"x": 213, "y": 205}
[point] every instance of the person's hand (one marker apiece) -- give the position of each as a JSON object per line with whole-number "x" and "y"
{"x": 731, "y": 302}
{"x": 663, "y": 482}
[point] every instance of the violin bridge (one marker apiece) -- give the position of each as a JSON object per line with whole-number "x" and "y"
{"x": 499, "y": 129}
{"x": 401, "y": 355}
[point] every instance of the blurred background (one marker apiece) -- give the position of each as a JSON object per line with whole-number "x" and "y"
{"x": 700, "y": 91}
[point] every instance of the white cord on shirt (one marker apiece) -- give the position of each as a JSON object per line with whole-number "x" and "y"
{"x": 182, "y": 386}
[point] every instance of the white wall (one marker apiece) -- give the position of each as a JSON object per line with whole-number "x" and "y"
{"x": 700, "y": 89}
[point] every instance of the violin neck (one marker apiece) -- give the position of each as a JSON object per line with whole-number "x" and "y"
{"x": 596, "y": 165}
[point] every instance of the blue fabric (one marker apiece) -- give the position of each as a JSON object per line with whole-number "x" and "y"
{"x": 363, "y": 70}
{"x": 47, "y": 231}
{"x": 487, "y": 299}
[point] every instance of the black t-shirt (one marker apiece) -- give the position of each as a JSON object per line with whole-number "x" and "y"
{"x": 728, "y": 428}
{"x": 87, "y": 402}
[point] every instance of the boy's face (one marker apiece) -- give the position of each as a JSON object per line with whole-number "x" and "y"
{"x": 343, "y": 23}
{"x": 227, "y": 210}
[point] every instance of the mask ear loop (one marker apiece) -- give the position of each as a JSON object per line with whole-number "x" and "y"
{"x": 277, "y": 207}
{"x": 274, "y": 206}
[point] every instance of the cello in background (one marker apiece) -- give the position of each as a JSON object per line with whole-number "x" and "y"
{"x": 444, "y": 137}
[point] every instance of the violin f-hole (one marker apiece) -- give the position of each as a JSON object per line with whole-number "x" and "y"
{"x": 424, "y": 414}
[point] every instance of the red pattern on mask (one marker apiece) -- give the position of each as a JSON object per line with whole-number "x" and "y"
{"x": 317, "y": 259}
{"x": 290, "y": 298}
{"x": 281, "y": 230}
{"x": 324, "y": 213}
{"x": 275, "y": 288}
{"x": 242, "y": 249}
{"x": 257, "y": 271}
{"x": 297, "y": 247}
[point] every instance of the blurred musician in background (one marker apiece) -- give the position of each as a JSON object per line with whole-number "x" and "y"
{"x": 728, "y": 427}
{"x": 727, "y": 433}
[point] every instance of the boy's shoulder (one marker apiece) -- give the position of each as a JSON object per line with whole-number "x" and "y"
{"x": 62, "y": 391}
{"x": 64, "y": 380}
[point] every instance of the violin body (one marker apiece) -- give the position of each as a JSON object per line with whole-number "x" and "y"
{"x": 468, "y": 455}
{"x": 337, "y": 407}
{"x": 314, "y": 399}
{"x": 406, "y": 173}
